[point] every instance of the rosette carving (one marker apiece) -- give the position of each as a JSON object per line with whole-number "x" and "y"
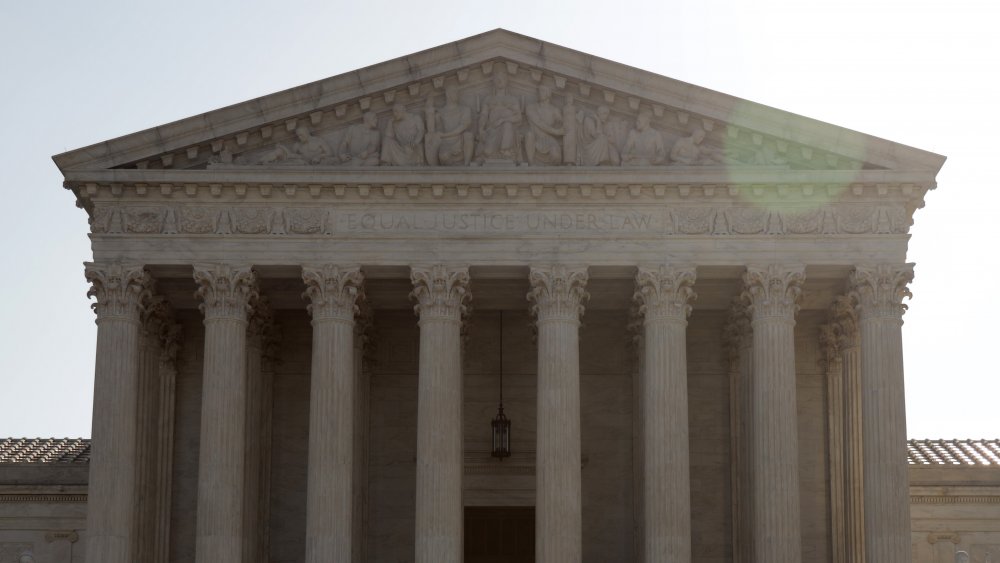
{"x": 878, "y": 290}
{"x": 226, "y": 291}
{"x": 665, "y": 292}
{"x": 333, "y": 291}
{"x": 122, "y": 290}
{"x": 557, "y": 292}
{"x": 441, "y": 291}
{"x": 773, "y": 291}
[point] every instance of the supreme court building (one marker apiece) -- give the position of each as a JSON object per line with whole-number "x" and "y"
{"x": 309, "y": 304}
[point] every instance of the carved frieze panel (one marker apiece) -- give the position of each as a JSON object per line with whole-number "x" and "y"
{"x": 499, "y": 113}
{"x": 328, "y": 219}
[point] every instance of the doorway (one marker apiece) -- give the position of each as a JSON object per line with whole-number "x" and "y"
{"x": 499, "y": 534}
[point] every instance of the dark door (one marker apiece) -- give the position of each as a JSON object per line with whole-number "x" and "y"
{"x": 499, "y": 534}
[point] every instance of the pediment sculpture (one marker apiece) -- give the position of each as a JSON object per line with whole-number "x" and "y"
{"x": 497, "y": 121}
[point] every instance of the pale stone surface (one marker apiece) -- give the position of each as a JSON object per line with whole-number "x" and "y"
{"x": 664, "y": 294}
{"x": 557, "y": 294}
{"x": 772, "y": 292}
{"x": 121, "y": 291}
{"x": 226, "y": 294}
{"x": 537, "y": 155}
{"x": 441, "y": 292}
{"x": 261, "y": 336}
{"x": 333, "y": 293}
{"x": 879, "y": 292}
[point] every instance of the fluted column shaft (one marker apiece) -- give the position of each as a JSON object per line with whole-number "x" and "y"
{"x": 121, "y": 291}
{"x": 157, "y": 330}
{"x": 557, "y": 293}
{"x": 261, "y": 325}
{"x": 835, "y": 440}
{"x": 773, "y": 292}
{"x": 854, "y": 505}
{"x": 440, "y": 292}
{"x": 226, "y": 293}
{"x": 147, "y": 446}
{"x": 879, "y": 292}
{"x": 165, "y": 459}
{"x": 664, "y": 295}
{"x": 847, "y": 471}
{"x": 333, "y": 292}
{"x": 362, "y": 430}
{"x": 739, "y": 339}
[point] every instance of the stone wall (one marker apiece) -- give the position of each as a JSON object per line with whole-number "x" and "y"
{"x": 953, "y": 508}
{"x": 43, "y": 511}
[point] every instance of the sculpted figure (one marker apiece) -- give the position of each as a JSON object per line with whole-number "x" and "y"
{"x": 541, "y": 145}
{"x": 570, "y": 119}
{"x": 961, "y": 557}
{"x": 404, "y": 136}
{"x": 360, "y": 146}
{"x": 449, "y": 140}
{"x": 597, "y": 141}
{"x": 644, "y": 146}
{"x": 26, "y": 558}
{"x": 308, "y": 149}
{"x": 498, "y": 121}
{"x": 691, "y": 151}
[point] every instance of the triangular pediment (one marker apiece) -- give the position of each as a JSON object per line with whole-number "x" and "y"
{"x": 597, "y": 113}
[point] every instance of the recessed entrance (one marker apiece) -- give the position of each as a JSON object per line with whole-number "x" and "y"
{"x": 499, "y": 534}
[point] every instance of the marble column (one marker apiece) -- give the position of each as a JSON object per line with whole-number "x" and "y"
{"x": 169, "y": 350}
{"x": 441, "y": 292}
{"x": 879, "y": 291}
{"x": 738, "y": 337}
{"x": 557, "y": 294}
{"x": 260, "y": 332}
{"x": 362, "y": 427}
{"x": 844, "y": 322}
{"x": 830, "y": 341}
{"x": 636, "y": 335}
{"x": 664, "y": 295}
{"x": 773, "y": 293}
{"x": 112, "y": 511}
{"x": 333, "y": 293}
{"x": 156, "y": 323}
{"x": 226, "y": 293}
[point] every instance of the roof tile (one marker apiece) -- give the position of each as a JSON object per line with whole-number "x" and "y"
{"x": 44, "y": 450}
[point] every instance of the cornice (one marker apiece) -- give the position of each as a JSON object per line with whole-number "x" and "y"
{"x": 962, "y": 499}
{"x": 501, "y": 176}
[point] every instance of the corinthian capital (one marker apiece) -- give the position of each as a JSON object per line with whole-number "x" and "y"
{"x": 879, "y": 290}
{"x": 333, "y": 291}
{"x": 844, "y": 320}
{"x": 773, "y": 290}
{"x": 441, "y": 291}
{"x": 121, "y": 289}
{"x": 557, "y": 292}
{"x": 225, "y": 291}
{"x": 665, "y": 292}
{"x": 738, "y": 333}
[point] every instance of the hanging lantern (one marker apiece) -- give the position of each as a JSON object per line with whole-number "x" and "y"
{"x": 501, "y": 424}
{"x": 501, "y": 435}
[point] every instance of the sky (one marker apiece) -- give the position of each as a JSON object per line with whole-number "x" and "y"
{"x": 916, "y": 72}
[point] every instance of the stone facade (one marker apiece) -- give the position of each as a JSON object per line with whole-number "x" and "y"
{"x": 693, "y": 290}
{"x": 954, "y": 494}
